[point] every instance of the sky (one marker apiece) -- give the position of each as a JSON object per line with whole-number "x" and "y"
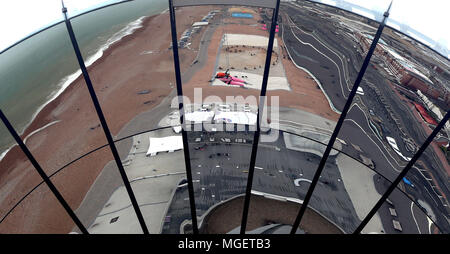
{"x": 429, "y": 17}
{"x": 19, "y": 18}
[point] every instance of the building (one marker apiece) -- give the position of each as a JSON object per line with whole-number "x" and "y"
{"x": 405, "y": 72}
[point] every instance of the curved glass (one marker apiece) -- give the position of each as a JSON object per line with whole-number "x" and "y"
{"x": 129, "y": 54}
{"x": 103, "y": 206}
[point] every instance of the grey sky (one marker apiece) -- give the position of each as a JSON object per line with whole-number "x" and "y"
{"x": 429, "y": 17}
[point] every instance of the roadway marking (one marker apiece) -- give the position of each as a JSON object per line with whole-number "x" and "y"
{"x": 420, "y": 171}
{"x": 155, "y": 176}
{"x": 431, "y": 196}
{"x": 305, "y": 70}
{"x": 430, "y": 222}
{"x": 339, "y": 70}
{"x": 128, "y": 206}
{"x": 415, "y": 221}
{"x": 296, "y": 181}
{"x": 349, "y": 119}
{"x": 375, "y": 145}
{"x": 340, "y": 58}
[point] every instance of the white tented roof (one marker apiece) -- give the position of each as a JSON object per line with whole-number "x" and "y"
{"x": 202, "y": 23}
{"x": 200, "y": 116}
{"x": 248, "y": 39}
{"x": 165, "y": 144}
{"x": 236, "y": 117}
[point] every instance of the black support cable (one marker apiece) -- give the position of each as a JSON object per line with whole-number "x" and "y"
{"x": 402, "y": 174}
{"x": 103, "y": 122}
{"x": 187, "y": 158}
{"x": 349, "y": 101}
{"x": 262, "y": 99}
{"x": 44, "y": 176}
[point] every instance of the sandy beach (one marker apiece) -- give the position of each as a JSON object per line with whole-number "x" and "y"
{"x": 139, "y": 62}
{"x": 125, "y": 69}
{"x": 305, "y": 94}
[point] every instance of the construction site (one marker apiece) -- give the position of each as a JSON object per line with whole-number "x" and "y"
{"x": 231, "y": 60}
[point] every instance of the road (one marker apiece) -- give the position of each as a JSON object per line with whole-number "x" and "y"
{"x": 218, "y": 176}
{"x": 220, "y": 172}
{"x": 309, "y": 47}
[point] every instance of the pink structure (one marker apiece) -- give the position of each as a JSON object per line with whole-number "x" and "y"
{"x": 233, "y": 81}
{"x": 264, "y": 27}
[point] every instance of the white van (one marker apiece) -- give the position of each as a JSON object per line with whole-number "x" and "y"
{"x": 360, "y": 91}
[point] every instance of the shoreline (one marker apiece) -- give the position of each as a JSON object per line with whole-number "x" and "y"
{"x": 57, "y": 144}
{"x": 71, "y": 78}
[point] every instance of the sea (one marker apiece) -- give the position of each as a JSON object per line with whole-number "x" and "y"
{"x": 36, "y": 71}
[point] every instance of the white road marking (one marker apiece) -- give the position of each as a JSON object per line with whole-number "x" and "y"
{"x": 367, "y": 121}
{"x": 296, "y": 181}
{"x": 415, "y": 221}
{"x": 315, "y": 79}
{"x": 430, "y": 222}
{"x": 339, "y": 70}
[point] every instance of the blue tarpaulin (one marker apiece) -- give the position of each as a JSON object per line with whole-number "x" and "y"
{"x": 241, "y": 15}
{"x": 407, "y": 181}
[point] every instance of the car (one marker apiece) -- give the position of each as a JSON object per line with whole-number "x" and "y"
{"x": 360, "y": 91}
{"x": 201, "y": 148}
{"x": 393, "y": 144}
{"x": 225, "y": 107}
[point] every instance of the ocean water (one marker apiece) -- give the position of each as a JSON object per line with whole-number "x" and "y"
{"x": 37, "y": 70}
